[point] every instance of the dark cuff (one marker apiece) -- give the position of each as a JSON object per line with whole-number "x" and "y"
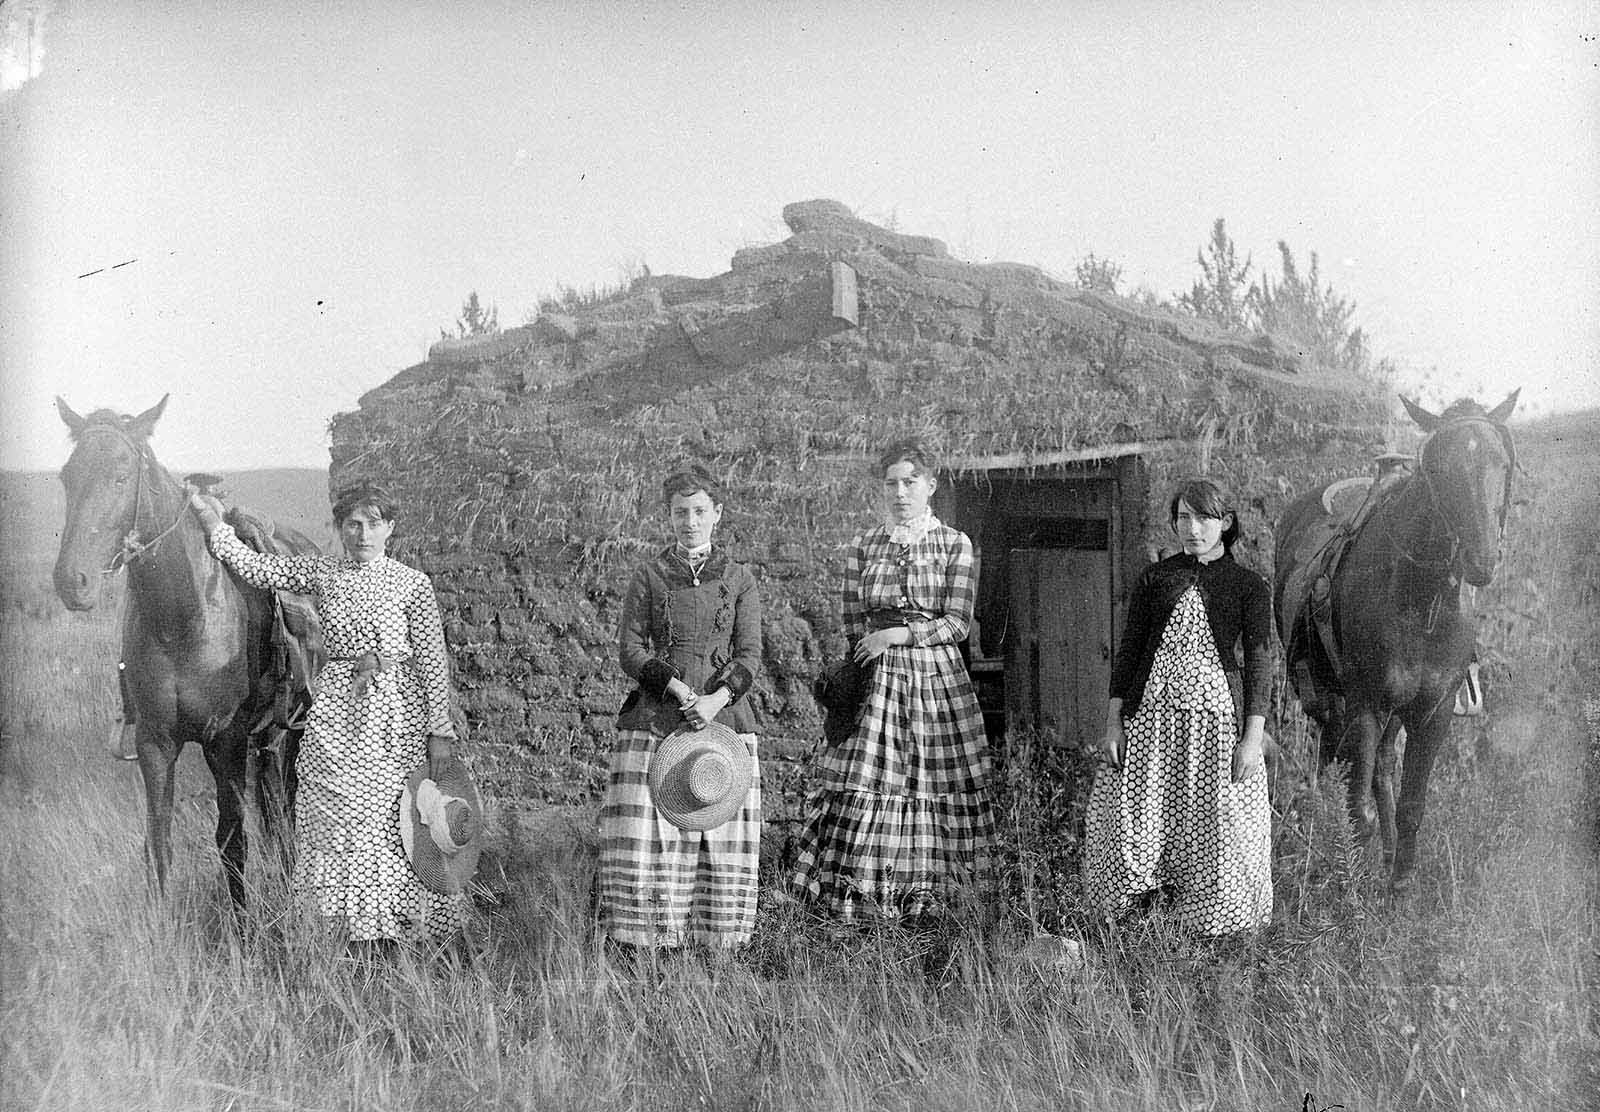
{"x": 735, "y": 677}
{"x": 655, "y": 676}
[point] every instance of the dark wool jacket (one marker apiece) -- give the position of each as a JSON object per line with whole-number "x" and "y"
{"x": 704, "y": 630}
{"x": 1239, "y": 604}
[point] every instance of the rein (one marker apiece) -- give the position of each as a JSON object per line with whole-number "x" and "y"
{"x": 133, "y": 548}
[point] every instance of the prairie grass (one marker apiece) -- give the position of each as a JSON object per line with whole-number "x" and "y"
{"x": 1475, "y": 992}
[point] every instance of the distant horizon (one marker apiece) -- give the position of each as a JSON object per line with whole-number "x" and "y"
{"x": 225, "y": 471}
{"x": 1518, "y": 420}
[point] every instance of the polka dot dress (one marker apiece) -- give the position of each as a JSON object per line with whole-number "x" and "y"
{"x": 357, "y": 750}
{"x": 1171, "y": 820}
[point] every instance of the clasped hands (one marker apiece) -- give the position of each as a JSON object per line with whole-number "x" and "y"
{"x": 699, "y": 710}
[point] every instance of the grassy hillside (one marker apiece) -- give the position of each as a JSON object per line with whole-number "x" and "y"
{"x": 1479, "y": 992}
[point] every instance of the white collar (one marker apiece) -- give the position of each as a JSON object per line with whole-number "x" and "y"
{"x": 912, "y": 531}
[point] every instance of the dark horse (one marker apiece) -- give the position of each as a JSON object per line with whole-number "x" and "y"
{"x": 1393, "y": 645}
{"x": 196, "y": 642}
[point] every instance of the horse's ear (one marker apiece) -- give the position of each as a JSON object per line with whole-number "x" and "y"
{"x": 1502, "y": 412}
{"x": 144, "y": 424}
{"x": 1427, "y": 421}
{"x": 73, "y": 421}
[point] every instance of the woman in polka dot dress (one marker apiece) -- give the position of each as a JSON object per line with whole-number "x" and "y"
{"x": 379, "y": 706}
{"x": 1180, "y": 811}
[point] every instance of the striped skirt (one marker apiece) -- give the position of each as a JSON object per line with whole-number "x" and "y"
{"x": 661, "y": 886}
{"x": 899, "y": 818}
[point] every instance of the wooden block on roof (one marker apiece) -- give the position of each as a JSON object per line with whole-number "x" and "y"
{"x": 812, "y": 308}
{"x": 845, "y": 305}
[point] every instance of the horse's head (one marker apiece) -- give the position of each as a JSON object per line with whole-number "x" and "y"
{"x": 105, "y": 477}
{"x": 1467, "y": 464}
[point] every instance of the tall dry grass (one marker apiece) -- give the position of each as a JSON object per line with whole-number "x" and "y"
{"x": 1475, "y": 993}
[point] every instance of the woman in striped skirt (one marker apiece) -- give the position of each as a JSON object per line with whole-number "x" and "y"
{"x": 691, "y": 636}
{"x": 898, "y": 817}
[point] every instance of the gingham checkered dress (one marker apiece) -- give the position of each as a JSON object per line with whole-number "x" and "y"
{"x": 898, "y": 815}
{"x": 356, "y": 753}
{"x": 661, "y": 886}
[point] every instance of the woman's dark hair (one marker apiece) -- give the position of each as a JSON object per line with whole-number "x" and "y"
{"x": 1206, "y": 497}
{"x": 352, "y": 498}
{"x": 907, "y": 451}
{"x": 689, "y": 480}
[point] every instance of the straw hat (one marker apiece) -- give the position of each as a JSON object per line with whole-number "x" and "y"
{"x": 441, "y": 826}
{"x": 699, "y": 778}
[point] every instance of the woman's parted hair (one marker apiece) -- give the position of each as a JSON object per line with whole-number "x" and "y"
{"x": 365, "y": 493}
{"x": 909, "y": 451}
{"x": 689, "y": 480}
{"x": 1207, "y": 497}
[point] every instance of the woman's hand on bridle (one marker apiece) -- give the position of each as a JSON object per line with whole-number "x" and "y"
{"x": 206, "y": 507}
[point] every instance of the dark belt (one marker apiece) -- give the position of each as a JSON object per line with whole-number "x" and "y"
{"x": 365, "y": 665}
{"x": 888, "y": 619}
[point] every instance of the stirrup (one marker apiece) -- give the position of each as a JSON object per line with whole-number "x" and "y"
{"x": 1469, "y": 696}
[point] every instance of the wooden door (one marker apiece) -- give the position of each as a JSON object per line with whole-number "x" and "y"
{"x": 1058, "y": 667}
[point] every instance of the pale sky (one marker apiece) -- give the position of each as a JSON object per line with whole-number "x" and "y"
{"x": 302, "y": 195}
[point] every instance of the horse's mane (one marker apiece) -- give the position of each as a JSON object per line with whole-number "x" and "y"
{"x": 1463, "y": 408}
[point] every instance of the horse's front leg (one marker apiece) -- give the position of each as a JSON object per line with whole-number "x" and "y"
{"x": 226, "y": 755}
{"x": 1360, "y": 743}
{"x": 1426, "y": 731}
{"x": 1383, "y": 787}
{"x": 158, "y": 766}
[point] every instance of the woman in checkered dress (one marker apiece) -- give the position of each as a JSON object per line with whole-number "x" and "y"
{"x": 898, "y": 817}
{"x": 1178, "y": 815}
{"x": 381, "y": 705}
{"x": 691, "y": 636}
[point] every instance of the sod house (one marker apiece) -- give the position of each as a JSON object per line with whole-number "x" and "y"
{"x": 528, "y": 465}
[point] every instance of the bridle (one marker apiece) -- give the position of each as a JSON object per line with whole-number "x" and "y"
{"x": 1453, "y": 564}
{"x": 1433, "y": 494}
{"x": 132, "y": 547}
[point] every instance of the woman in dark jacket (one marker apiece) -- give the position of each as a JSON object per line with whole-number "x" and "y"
{"x": 1180, "y": 810}
{"x": 691, "y": 636}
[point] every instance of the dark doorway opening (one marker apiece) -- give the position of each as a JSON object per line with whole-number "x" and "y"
{"x": 1051, "y": 547}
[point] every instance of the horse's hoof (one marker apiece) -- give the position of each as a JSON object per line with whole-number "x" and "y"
{"x": 1403, "y": 885}
{"x": 121, "y": 744}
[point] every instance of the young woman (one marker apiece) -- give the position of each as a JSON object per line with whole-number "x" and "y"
{"x": 898, "y": 816}
{"x": 1179, "y": 811}
{"x": 691, "y": 636}
{"x": 380, "y": 706}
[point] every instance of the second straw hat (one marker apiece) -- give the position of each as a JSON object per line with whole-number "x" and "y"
{"x": 699, "y": 778}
